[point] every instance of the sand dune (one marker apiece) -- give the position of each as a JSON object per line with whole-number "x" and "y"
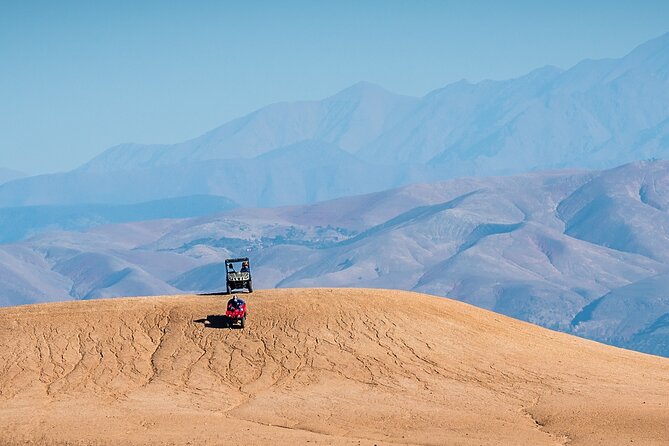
{"x": 316, "y": 366}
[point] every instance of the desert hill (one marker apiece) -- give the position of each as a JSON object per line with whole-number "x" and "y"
{"x": 321, "y": 366}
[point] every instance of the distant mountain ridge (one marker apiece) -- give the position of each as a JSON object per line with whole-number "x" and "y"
{"x": 595, "y": 105}
{"x": 23, "y": 222}
{"x": 597, "y": 114}
{"x": 350, "y": 119}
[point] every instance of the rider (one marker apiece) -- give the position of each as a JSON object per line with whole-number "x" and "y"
{"x": 235, "y": 303}
{"x": 245, "y": 266}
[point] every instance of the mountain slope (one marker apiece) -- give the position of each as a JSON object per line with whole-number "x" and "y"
{"x": 610, "y": 318}
{"x": 630, "y": 202}
{"x": 323, "y": 366}
{"x": 9, "y": 175}
{"x": 349, "y": 119}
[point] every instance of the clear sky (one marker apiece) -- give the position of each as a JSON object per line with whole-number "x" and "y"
{"x": 77, "y": 77}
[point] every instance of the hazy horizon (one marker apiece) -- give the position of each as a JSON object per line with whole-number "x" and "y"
{"x": 79, "y": 78}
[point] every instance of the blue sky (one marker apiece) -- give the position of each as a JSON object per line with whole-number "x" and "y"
{"x": 79, "y": 77}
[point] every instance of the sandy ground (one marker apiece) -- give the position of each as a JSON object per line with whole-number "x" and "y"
{"x": 318, "y": 366}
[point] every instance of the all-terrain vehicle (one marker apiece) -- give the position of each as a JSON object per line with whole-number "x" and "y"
{"x": 236, "y": 312}
{"x": 238, "y": 279}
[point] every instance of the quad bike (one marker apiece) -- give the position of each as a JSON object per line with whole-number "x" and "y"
{"x": 236, "y": 315}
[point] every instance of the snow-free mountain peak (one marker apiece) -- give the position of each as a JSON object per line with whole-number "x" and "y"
{"x": 656, "y": 49}
{"x": 360, "y": 90}
{"x": 350, "y": 119}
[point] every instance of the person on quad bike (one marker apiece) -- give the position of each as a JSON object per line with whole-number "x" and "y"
{"x": 245, "y": 267}
{"x": 235, "y": 303}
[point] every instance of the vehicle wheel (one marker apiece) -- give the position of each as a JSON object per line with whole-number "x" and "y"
{"x": 249, "y": 285}
{"x": 242, "y": 322}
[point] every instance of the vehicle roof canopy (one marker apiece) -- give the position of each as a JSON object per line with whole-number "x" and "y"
{"x": 241, "y": 259}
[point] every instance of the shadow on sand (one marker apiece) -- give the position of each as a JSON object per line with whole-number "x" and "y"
{"x": 223, "y": 293}
{"x": 217, "y": 321}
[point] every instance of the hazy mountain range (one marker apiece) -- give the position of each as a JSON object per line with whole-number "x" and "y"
{"x": 597, "y": 114}
{"x": 579, "y": 251}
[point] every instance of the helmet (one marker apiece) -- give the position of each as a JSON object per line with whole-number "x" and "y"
{"x": 234, "y": 298}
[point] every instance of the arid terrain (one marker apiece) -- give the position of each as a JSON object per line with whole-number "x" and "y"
{"x": 317, "y": 366}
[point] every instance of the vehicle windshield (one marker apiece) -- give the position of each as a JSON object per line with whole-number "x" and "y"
{"x": 238, "y": 267}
